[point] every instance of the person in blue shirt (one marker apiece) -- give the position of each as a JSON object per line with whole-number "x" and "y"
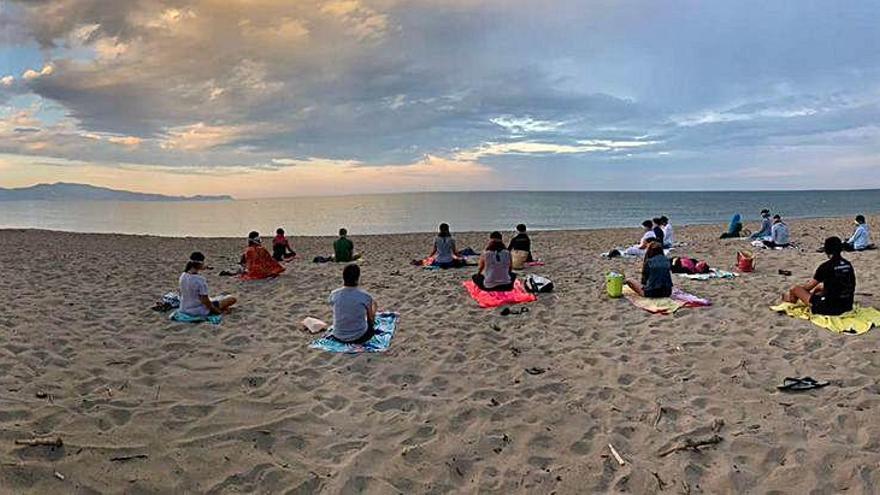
{"x": 656, "y": 274}
{"x": 861, "y": 238}
{"x": 766, "y": 226}
{"x": 779, "y": 236}
{"x": 734, "y": 229}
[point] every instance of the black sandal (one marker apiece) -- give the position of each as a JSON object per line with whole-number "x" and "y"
{"x": 800, "y": 384}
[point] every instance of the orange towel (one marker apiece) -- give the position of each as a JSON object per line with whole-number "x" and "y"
{"x": 259, "y": 264}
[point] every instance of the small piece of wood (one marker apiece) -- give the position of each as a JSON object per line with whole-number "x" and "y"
{"x": 36, "y": 442}
{"x": 59, "y": 476}
{"x": 660, "y": 412}
{"x": 124, "y": 458}
{"x": 616, "y": 455}
{"x": 692, "y": 444}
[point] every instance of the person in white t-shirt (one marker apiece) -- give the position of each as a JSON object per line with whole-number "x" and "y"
{"x": 649, "y": 236}
{"x": 668, "y": 233}
{"x": 194, "y": 298}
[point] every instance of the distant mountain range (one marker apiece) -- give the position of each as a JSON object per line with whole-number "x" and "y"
{"x": 63, "y": 191}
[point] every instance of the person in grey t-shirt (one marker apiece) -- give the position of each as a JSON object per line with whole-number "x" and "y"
{"x": 354, "y": 311}
{"x": 444, "y": 253}
{"x": 494, "y": 273}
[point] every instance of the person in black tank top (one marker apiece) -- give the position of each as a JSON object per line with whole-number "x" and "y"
{"x": 832, "y": 289}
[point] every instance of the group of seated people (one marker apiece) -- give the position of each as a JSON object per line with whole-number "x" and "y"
{"x": 657, "y": 230}
{"x": 830, "y": 291}
{"x": 445, "y": 254}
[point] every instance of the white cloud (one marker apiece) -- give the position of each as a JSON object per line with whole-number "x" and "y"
{"x": 543, "y": 148}
{"x": 520, "y": 125}
{"x": 201, "y": 136}
{"x": 7, "y": 81}
{"x": 31, "y": 74}
{"x": 713, "y": 117}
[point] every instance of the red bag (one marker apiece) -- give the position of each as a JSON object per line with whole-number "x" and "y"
{"x": 745, "y": 261}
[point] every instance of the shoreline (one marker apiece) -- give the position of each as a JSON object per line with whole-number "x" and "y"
{"x": 789, "y": 220}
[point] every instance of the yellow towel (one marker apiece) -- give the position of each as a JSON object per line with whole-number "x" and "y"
{"x": 857, "y": 321}
{"x": 658, "y": 305}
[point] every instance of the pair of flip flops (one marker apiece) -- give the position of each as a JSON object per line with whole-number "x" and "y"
{"x": 800, "y": 384}
{"x": 508, "y": 311}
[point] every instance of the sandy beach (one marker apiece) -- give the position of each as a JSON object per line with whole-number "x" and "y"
{"x": 146, "y": 405}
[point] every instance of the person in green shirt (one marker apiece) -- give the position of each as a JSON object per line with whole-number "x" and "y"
{"x": 343, "y": 248}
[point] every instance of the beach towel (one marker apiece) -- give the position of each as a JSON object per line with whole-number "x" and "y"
{"x": 713, "y": 274}
{"x": 760, "y": 244}
{"x": 259, "y": 264}
{"x": 665, "y": 305}
{"x": 182, "y": 317}
{"x": 627, "y": 254}
{"x": 386, "y": 325}
{"x": 493, "y": 299}
{"x": 857, "y": 321}
{"x": 428, "y": 263}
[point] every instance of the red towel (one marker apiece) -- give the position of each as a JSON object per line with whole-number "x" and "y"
{"x": 259, "y": 264}
{"x": 490, "y": 299}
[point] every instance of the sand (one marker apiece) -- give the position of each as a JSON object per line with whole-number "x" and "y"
{"x": 247, "y": 407}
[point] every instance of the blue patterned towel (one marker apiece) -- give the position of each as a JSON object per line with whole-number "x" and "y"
{"x": 386, "y": 325}
{"x": 177, "y": 315}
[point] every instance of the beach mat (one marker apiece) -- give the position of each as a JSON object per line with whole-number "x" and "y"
{"x": 428, "y": 263}
{"x": 182, "y": 317}
{"x": 490, "y": 299}
{"x": 713, "y": 274}
{"x": 857, "y": 321}
{"x": 386, "y": 325}
{"x": 627, "y": 256}
{"x": 665, "y": 305}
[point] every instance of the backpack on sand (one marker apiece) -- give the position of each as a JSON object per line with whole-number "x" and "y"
{"x": 537, "y": 284}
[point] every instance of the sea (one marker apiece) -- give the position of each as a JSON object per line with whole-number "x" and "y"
{"x": 422, "y": 212}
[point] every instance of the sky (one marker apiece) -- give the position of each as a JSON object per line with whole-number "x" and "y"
{"x": 274, "y": 98}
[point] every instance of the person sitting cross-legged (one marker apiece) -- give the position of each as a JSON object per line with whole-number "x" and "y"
{"x": 354, "y": 310}
{"x": 832, "y": 289}
{"x": 656, "y": 274}
{"x": 494, "y": 270}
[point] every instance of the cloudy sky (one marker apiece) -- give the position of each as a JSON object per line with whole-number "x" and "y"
{"x": 267, "y": 98}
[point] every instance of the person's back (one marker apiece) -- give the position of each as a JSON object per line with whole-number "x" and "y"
{"x": 657, "y": 276}
{"x": 779, "y": 234}
{"x": 520, "y": 242}
{"x": 766, "y": 227}
{"x": 343, "y": 250}
{"x": 497, "y": 270}
{"x": 658, "y": 234}
{"x": 350, "y": 309}
{"x": 861, "y": 238}
{"x": 838, "y": 279}
{"x": 668, "y": 235}
{"x": 445, "y": 249}
{"x": 192, "y": 288}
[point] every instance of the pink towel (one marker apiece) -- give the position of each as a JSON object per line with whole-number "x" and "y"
{"x": 490, "y": 299}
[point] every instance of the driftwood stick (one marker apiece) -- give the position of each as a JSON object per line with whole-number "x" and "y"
{"x": 616, "y": 455}
{"x": 660, "y": 412}
{"x": 124, "y": 458}
{"x": 36, "y": 442}
{"x": 692, "y": 444}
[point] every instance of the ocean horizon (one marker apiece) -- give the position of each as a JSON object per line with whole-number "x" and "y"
{"x": 395, "y": 213}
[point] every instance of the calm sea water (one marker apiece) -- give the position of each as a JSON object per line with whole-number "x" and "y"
{"x": 421, "y": 212}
